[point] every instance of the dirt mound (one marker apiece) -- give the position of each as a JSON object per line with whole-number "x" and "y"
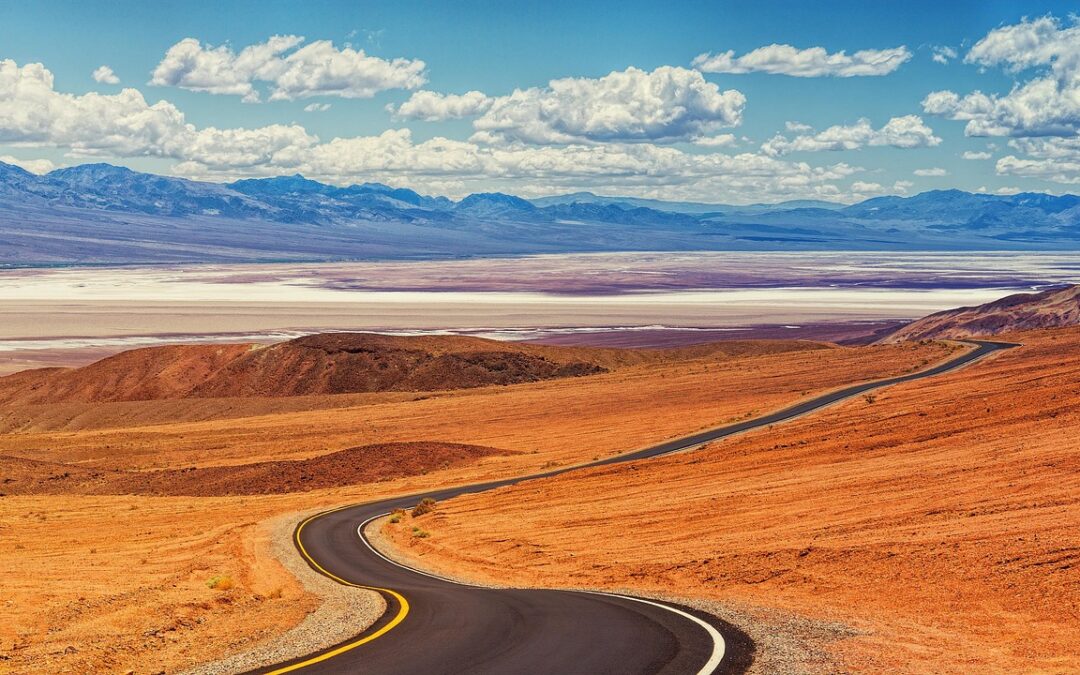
{"x": 1055, "y": 308}
{"x": 342, "y": 363}
{"x": 150, "y": 373}
{"x": 335, "y": 363}
{"x": 353, "y": 466}
{"x": 346, "y": 363}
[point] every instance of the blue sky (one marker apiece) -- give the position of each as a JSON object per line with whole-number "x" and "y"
{"x": 657, "y": 108}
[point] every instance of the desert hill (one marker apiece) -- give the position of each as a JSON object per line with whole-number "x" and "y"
{"x": 336, "y": 363}
{"x": 933, "y": 526}
{"x": 1055, "y": 308}
{"x": 351, "y": 466}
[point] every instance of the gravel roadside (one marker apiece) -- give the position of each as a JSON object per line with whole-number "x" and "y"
{"x": 784, "y": 643}
{"x": 344, "y": 611}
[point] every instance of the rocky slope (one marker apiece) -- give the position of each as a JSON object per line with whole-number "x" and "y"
{"x": 331, "y": 363}
{"x": 1057, "y": 307}
{"x": 352, "y": 466}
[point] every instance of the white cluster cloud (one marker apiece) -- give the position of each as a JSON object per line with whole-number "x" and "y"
{"x": 812, "y": 62}
{"x": 431, "y": 106}
{"x": 38, "y": 166}
{"x": 105, "y": 75}
{"x": 290, "y": 70}
{"x": 457, "y": 167}
{"x": 944, "y": 54}
{"x": 665, "y": 105}
{"x": 718, "y": 141}
{"x": 935, "y": 172}
{"x": 1048, "y": 104}
{"x": 971, "y": 154}
{"x": 1048, "y": 158}
{"x": 125, "y": 125}
{"x": 316, "y": 107}
{"x": 908, "y": 131}
{"x": 33, "y": 113}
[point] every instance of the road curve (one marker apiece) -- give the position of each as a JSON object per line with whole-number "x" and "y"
{"x": 435, "y": 625}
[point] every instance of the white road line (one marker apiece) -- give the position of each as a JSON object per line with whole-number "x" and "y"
{"x": 719, "y": 645}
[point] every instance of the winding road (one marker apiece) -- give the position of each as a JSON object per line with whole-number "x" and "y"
{"x": 434, "y": 625}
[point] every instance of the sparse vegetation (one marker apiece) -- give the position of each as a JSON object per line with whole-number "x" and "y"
{"x": 220, "y": 583}
{"x": 420, "y": 533}
{"x": 869, "y": 398}
{"x": 426, "y": 505}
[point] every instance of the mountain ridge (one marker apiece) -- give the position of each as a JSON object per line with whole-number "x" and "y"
{"x": 104, "y": 214}
{"x": 1057, "y": 307}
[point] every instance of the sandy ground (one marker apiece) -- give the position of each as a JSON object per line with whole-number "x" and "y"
{"x": 117, "y": 583}
{"x": 564, "y": 421}
{"x": 935, "y": 522}
{"x": 343, "y": 611}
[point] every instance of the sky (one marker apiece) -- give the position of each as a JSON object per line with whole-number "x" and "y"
{"x": 724, "y": 102}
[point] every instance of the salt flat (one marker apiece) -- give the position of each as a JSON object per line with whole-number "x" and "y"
{"x": 70, "y": 315}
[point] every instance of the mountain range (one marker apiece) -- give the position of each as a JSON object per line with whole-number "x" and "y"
{"x": 104, "y": 214}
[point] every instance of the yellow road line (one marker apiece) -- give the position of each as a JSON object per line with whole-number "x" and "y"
{"x": 402, "y": 603}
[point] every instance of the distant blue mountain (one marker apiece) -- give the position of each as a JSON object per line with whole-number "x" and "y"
{"x": 99, "y": 213}
{"x": 494, "y": 204}
{"x": 679, "y": 207}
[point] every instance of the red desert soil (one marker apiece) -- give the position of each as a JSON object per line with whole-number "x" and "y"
{"x": 142, "y": 563}
{"x": 334, "y": 363}
{"x": 1055, "y": 308}
{"x": 366, "y": 464}
{"x": 936, "y": 518}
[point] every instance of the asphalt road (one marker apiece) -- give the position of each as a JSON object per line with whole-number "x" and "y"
{"x": 435, "y": 626}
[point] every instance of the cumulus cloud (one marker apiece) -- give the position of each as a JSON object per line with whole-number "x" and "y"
{"x": 124, "y": 124}
{"x": 908, "y": 131}
{"x": 38, "y": 166}
{"x": 316, "y": 107}
{"x": 718, "y": 141}
{"x": 666, "y": 105}
{"x": 33, "y": 113}
{"x": 1006, "y": 190}
{"x": 105, "y": 75}
{"x": 813, "y": 62}
{"x": 943, "y": 54}
{"x": 934, "y": 172}
{"x": 1049, "y": 158}
{"x": 863, "y": 186}
{"x": 431, "y": 106}
{"x": 457, "y": 167}
{"x": 969, "y": 154}
{"x": 1047, "y": 104}
{"x": 290, "y": 70}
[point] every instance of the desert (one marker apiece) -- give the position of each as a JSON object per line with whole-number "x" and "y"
{"x": 590, "y": 338}
{"x": 935, "y": 524}
{"x": 534, "y": 425}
